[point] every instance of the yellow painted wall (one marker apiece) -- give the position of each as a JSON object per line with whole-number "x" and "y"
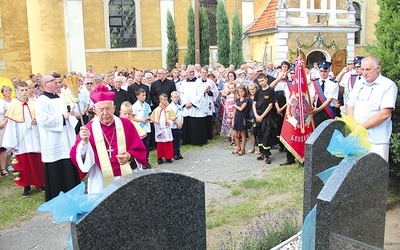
{"x": 181, "y": 8}
{"x": 104, "y": 61}
{"x": 93, "y": 18}
{"x": 372, "y": 16}
{"x": 259, "y": 7}
{"x": 307, "y": 39}
{"x": 14, "y": 32}
{"x": 149, "y": 55}
{"x": 258, "y": 47}
{"x": 47, "y": 35}
{"x": 151, "y": 26}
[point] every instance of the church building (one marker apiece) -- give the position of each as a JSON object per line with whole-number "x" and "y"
{"x": 65, "y": 35}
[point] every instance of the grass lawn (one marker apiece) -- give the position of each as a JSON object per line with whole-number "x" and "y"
{"x": 15, "y": 209}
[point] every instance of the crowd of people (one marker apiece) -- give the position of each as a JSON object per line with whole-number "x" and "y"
{"x": 61, "y": 128}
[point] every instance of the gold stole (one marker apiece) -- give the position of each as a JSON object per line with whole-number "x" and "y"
{"x": 105, "y": 164}
{"x": 16, "y": 111}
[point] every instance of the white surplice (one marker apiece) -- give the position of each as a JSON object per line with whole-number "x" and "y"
{"x": 22, "y": 136}
{"x": 56, "y": 139}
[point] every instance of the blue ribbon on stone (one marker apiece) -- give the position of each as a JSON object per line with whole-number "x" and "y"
{"x": 308, "y": 228}
{"x": 67, "y": 206}
{"x": 341, "y": 146}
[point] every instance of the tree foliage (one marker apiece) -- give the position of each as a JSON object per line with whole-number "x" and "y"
{"x": 236, "y": 52}
{"x": 223, "y": 39}
{"x": 386, "y": 48}
{"x": 204, "y": 37}
{"x": 172, "y": 51}
{"x": 190, "y": 53}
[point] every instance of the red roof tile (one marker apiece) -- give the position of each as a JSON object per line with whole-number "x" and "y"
{"x": 266, "y": 20}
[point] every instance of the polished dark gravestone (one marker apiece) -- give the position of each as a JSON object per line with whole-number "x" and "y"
{"x": 318, "y": 159}
{"x": 351, "y": 207}
{"x": 146, "y": 210}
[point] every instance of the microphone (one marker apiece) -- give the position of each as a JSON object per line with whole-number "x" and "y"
{"x": 68, "y": 109}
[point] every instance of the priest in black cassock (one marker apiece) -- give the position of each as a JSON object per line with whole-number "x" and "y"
{"x": 137, "y": 84}
{"x": 57, "y": 136}
{"x": 121, "y": 95}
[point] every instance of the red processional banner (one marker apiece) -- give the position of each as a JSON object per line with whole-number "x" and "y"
{"x": 297, "y": 125}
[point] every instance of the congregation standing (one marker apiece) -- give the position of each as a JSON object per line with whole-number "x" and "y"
{"x": 125, "y": 114}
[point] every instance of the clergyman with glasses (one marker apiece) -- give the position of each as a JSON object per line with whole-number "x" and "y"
{"x": 107, "y": 147}
{"x": 57, "y": 135}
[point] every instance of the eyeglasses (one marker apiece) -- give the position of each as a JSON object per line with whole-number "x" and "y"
{"x": 106, "y": 109}
{"x": 52, "y": 80}
{"x": 259, "y": 71}
{"x": 89, "y": 83}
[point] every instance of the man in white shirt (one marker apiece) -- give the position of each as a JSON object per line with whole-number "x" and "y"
{"x": 371, "y": 103}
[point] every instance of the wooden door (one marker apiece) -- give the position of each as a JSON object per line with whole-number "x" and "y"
{"x": 338, "y": 61}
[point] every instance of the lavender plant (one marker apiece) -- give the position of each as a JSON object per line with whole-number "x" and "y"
{"x": 268, "y": 231}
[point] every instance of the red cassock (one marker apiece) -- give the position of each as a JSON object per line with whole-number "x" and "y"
{"x": 31, "y": 167}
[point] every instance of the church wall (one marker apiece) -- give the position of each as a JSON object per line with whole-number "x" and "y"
{"x": 258, "y": 47}
{"x": 93, "y": 19}
{"x": 104, "y": 61}
{"x": 307, "y": 39}
{"x": 181, "y": 8}
{"x": 372, "y": 16}
{"x": 149, "y": 55}
{"x": 15, "y": 57}
{"x": 46, "y": 35}
{"x": 259, "y": 7}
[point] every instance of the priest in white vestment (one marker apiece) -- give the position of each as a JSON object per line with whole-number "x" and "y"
{"x": 194, "y": 122}
{"x": 57, "y": 135}
{"x": 108, "y": 146}
{"x": 207, "y": 103}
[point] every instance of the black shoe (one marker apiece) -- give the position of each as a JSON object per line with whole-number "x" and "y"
{"x": 286, "y": 163}
{"x": 169, "y": 160}
{"x": 301, "y": 165}
{"x": 261, "y": 158}
{"x": 268, "y": 160}
{"x": 180, "y": 156}
{"x": 27, "y": 191}
{"x": 160, "y": 161}
{"x": 176, "y": 157}
{"x": 147, "y": 167}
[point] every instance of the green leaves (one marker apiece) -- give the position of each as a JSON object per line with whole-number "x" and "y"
{"x": 223, "y": 39}
{"x": 172, "y": 50}
{"x": 190, "y": 53}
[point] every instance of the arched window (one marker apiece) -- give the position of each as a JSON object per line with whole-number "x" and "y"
{"x": 211, "y": 8}
{"x": 122, "y": 24}
{"x": 357, "y": 37}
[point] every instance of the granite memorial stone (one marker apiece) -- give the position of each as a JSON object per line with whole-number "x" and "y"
{"x": 146, "y": 210}
{"x": 351, "y": 207}
{"x": 318, "y": 159}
